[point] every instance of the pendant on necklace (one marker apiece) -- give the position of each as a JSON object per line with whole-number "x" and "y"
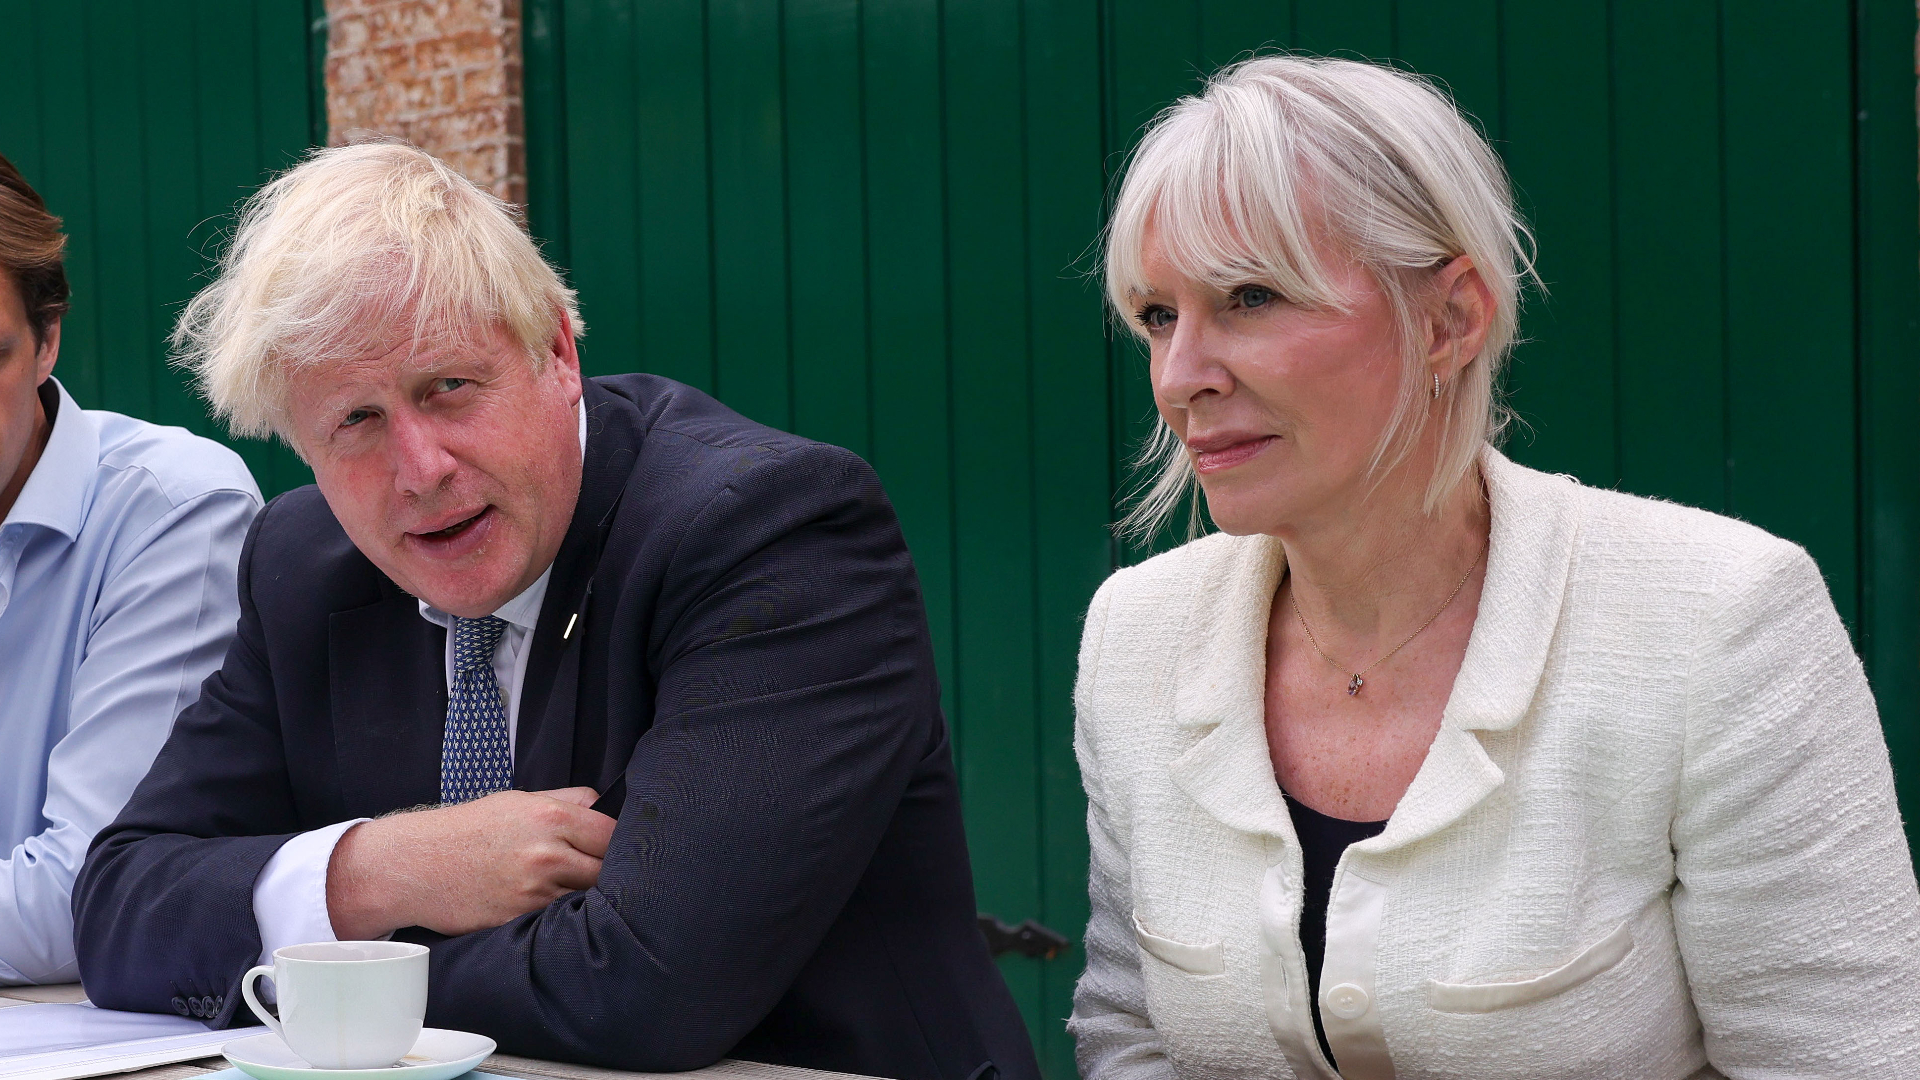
{"x": 1354, "y": 684}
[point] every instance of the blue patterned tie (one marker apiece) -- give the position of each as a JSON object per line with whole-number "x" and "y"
{"x": 476, "y": 757}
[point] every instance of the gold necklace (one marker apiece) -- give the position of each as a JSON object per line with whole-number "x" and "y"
{"x": 1356, "y": 682}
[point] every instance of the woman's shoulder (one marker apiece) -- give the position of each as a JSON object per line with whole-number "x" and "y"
{"x": 1176, "y": 570}
{"x": 1144, "y": 618}
{"x": 1660, "y": 537}
{"x": 1157, "y": 597}
{"x": 1661, "y": 582}
{"x": 1644, "y": 577}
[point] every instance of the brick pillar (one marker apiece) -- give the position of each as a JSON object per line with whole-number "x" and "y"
{"x": 441, "y": 74}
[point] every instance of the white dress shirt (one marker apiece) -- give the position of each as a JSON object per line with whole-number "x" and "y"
{"x": 117, "y": 597}
{"x": 290, "y": 895}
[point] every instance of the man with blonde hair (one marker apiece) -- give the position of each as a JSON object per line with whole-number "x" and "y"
{"x": 621, "y": 702}
{"x": 118, "y": 542}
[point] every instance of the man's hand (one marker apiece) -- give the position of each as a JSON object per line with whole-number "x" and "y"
{"x": 457, "y": 869}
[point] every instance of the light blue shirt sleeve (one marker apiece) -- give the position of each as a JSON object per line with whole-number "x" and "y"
{"x": 117, "y": 598}
{"x": 160, "y": 625}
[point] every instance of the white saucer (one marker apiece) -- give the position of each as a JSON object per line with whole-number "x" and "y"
{"x": 438, "y": 1055}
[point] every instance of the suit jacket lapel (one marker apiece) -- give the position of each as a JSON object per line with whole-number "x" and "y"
{"x": 548, "y": 721}
{"x": 388, "y": 685}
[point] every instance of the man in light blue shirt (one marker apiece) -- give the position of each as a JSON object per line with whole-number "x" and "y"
{"x": 119, "y": 542}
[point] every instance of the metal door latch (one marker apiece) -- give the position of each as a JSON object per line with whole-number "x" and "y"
{"x": 1027, "y": 939}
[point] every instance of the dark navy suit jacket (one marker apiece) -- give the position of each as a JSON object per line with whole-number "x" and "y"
{"x": 750, "y": 682}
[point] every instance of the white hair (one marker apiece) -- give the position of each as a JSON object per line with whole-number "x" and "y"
{"x": 1277, "y": 151}
{"x": 336, "y": 252}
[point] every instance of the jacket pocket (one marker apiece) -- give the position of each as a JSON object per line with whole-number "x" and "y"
{"x": 1207, "y": 959}
{"x": 1599, "y": 957}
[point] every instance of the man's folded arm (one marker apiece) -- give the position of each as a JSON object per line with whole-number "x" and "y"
{"x": 795, "y": 697}
{"x": 163, "y": 907}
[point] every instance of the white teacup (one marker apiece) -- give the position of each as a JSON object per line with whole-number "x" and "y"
{"x": 346, "y": 1004}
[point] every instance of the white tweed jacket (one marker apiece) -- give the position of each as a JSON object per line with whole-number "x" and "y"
{"x": 1654, "y": 838}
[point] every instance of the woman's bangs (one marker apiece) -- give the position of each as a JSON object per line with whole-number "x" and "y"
{"x": 1230, "y": 214}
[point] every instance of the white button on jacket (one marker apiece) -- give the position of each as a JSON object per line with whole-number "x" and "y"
{"x": 1346, "y": 1001}
{"x": 1655, "y": 837}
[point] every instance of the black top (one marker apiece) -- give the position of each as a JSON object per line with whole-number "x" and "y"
{"x": 1322, "y": 841}
{"x": 751, "y": 668}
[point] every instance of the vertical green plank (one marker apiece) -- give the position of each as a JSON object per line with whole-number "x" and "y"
{"x": 20, "y": 93}
{"x": 1557, "y": 144}
{"x": 676, "y": 209}
{"x": 279, "y": 47}
{"x": 753, "y": 373}
{"x": 1230, "y": 29}
{"x": 1066, "y": 402}
{"x": 317, "y": 34}
{"x": 66, "y": 183}
{"x": 1153, "y": 50}
{"x": 1458, "y": 44}
{"x": 827, "y": 263}
{"x": 604, "y": 189}
{"x": 1790, "y": 280}
{"x": 228, "y": 155}
{"x": 167, "y": 69}
{"x": 906, "y": 306}
{"x": 1667, "y": 178}
{"x": 1350, "y": 28}
{"x": 543, "y": 59}
{"x": 113, "y": 75}
{"x": 1153, "y": 56}
{"x": 282, "y": 44}
{"x": 993, "y": 482}
{"x": 1888, "y": 228}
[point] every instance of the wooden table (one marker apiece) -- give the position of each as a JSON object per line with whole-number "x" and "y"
{"x": 500, "y": 1064}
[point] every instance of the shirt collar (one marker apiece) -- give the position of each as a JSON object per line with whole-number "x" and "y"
{"x": 57, "y": 493}
{"x": 522, "y": 611}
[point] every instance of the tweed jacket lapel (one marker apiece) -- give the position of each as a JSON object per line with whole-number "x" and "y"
{"x": 1533, "y": 520}
{"x": 1222, "y": 679}
{"x": 1221, "y": 674}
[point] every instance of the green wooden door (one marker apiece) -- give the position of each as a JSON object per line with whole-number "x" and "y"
{"x": 868, "y": 221}
{"x": 142, "y": 125}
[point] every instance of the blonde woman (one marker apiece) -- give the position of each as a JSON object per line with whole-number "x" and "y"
{"x": 1428, "y": 764}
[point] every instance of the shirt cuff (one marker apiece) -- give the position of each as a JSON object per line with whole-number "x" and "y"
{"x": 290, "y": 895}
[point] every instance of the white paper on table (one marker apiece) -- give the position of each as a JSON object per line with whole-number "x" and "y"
{"x": 63, "y": 1042}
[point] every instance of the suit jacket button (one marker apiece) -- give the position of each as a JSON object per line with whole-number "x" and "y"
{"x": 219, "y": 1002}
{"x": 180, "y": 1005}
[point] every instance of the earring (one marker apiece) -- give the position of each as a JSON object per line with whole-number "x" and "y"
{"x": 1436, "y": 386}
